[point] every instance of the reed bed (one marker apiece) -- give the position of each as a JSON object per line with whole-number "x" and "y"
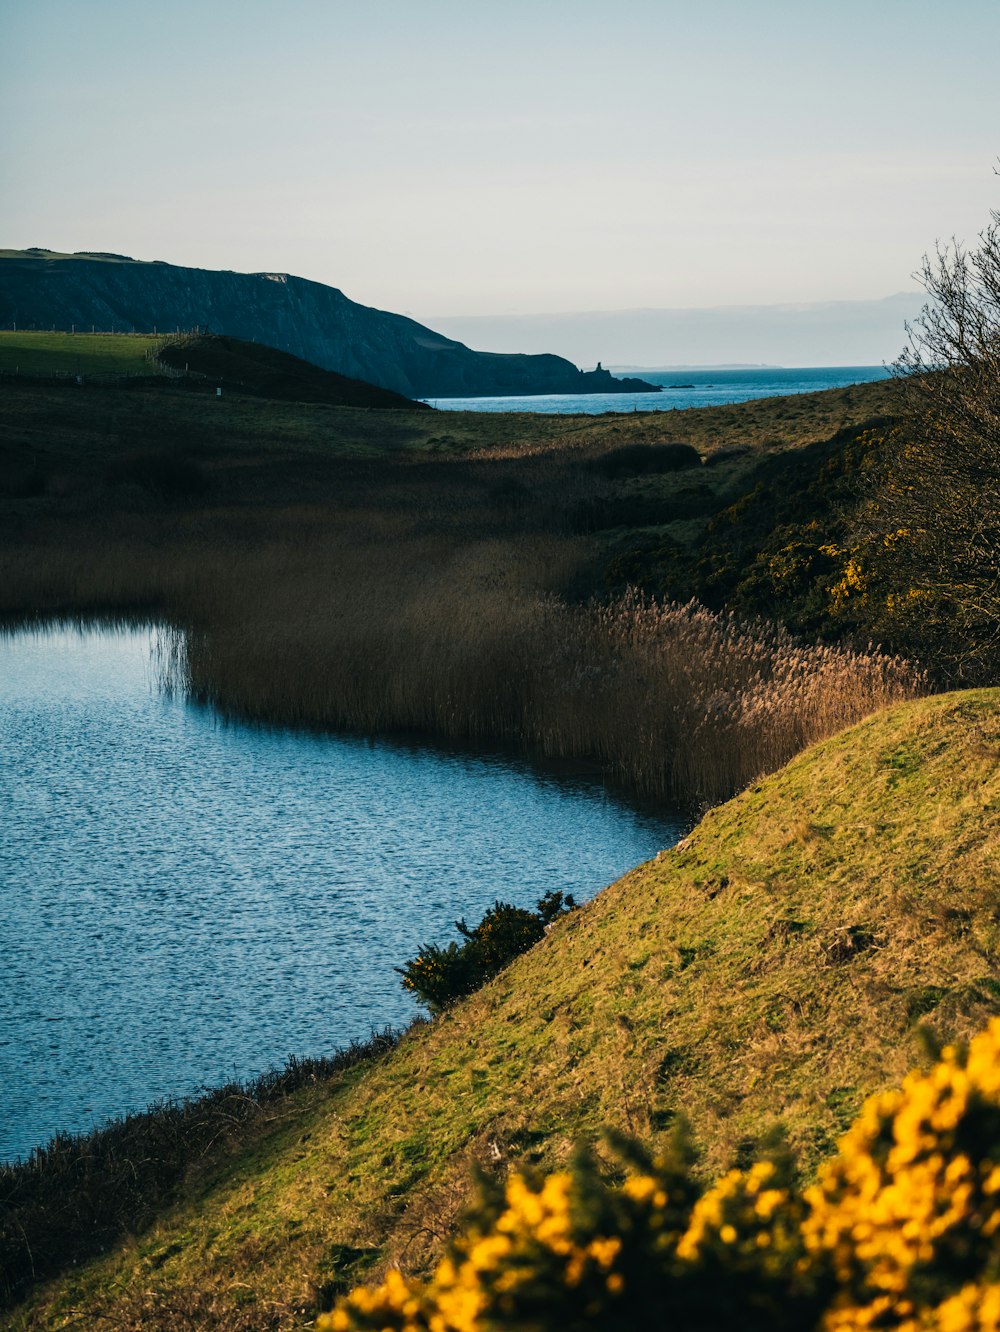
{"x": 681, "y": 702}
{"x": 476, "y": 644}
{"x": 450, "y": 597}
{"x": 469, "y": 645}
{"x": 375, "y": 626}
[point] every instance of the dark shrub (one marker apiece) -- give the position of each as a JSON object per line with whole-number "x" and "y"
{"x": 439, "y": 976}
{"x": 647, "y": 459}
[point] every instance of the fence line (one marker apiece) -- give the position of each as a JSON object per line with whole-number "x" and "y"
{"x": 94, "y": 331}
{"x": 105, "y": 376}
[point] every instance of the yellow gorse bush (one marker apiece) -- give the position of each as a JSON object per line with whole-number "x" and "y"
{"x": 901, "y": 1231}
{"x": 910, "y": 1208}
{"x": 571, "y": 1251}
{"x": 746, "y": 1220}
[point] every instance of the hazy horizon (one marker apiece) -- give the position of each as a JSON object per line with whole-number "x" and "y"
{"x": 503, "y": 159}
{"x": 802, "y": 334}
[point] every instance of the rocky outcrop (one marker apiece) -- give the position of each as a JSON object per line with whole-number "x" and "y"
{"x": 314, "y": 322}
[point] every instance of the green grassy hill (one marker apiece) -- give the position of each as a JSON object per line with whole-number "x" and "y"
{"x": 78, "y": 353}
{"x": 772, "y": 969}
{"x": 243, "y": 367}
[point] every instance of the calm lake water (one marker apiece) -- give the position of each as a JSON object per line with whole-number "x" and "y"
{"x": 187, "y": 900}
{"x": 680, "y": 389}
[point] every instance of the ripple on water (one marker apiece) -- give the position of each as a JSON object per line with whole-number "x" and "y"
{"x": 188, "y": 900}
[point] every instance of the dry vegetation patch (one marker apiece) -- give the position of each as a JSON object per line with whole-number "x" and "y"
{"x": 343, "y": 568}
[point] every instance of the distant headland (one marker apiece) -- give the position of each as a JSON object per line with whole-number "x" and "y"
{"x": 43, "y": 289}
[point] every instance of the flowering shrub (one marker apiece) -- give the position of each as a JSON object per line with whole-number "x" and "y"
{"x": 439, "y": 976}
{"x": 573, "y": 1252}
{"x": 909, "y": 1211}
{"x": 901, "y": 1232}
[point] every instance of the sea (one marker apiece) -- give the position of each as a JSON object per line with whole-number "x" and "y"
{"x": 680, "y": 389}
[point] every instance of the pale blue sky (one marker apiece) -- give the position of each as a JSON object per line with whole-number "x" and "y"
{"x": 441, "y": 157}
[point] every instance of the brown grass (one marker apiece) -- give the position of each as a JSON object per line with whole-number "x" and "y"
{"x": 674, "y": 701}
{"x": 401, "y": 572}
{"x": 76, "y": 1196}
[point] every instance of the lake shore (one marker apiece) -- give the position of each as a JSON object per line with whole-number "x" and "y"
{"x": 440, "y": 574}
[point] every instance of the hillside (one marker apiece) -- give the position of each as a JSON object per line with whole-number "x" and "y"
{"x": 772, "y": 969}
{"x": 112, "y": 293}
{"x": 55, "y": 354}
{"x": 251, "y": 368}
{"x": 202, "y": 359}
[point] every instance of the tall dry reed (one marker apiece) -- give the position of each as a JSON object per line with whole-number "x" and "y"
{"x": 705, "y": 703}
{"x": 675, "y": 701}
{"x": 439, "y": 599}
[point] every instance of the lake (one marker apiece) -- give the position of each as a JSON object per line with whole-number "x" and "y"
{"x": 187, "y": 900}
{"x": 680, "y": 389}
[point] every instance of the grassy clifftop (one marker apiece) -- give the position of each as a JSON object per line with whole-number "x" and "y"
{"x": 78, "y": 353}
{"x": 772, "y": 969}
{"x": 243, "y": 367}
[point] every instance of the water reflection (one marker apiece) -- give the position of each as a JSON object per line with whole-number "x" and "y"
{"x": 186, "y": 900}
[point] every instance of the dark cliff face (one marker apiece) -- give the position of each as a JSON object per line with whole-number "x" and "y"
{"x": 312, "y": 321}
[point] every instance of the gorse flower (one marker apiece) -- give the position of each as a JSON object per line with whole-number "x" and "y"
{"x": 910, "y": 1208}
{"x": 901, "y": 1232}
{"x": 573, "y": 1252}
{"x": 749, "y": 1220}
{"x": 395, "y": 1306}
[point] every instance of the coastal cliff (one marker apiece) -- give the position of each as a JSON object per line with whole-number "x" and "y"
{"x": 43, "y": 289}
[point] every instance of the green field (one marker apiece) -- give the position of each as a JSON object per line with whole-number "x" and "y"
{"x": 77, "y": 353}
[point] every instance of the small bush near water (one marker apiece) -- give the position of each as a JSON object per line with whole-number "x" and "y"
{"x": 898, "y": 1233}
{"x": 439, "y": 976}
{"x": 81, "y": 1192}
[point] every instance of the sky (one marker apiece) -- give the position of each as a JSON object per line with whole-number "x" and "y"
{"x": 469, "y": 157}
{"x": 817, "y": 333}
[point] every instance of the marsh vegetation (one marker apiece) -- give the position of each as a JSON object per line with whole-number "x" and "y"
{"x": 399, "y": 571}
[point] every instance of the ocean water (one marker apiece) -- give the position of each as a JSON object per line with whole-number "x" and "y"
{"x": 186, "y": 901}
{"x": 680, "y": 389}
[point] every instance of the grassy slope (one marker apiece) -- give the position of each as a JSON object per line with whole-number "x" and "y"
{"x": 771, "y": 969}
{"x": 60, "y": 441}
{"x": 57, "y": 440}
{"x": 254, "y": 368}
{"x": 243, "y": 366}
{"x": 77, "y": 353}
{"x": 763, "y": 426}
{"x": 40, "y": 252}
